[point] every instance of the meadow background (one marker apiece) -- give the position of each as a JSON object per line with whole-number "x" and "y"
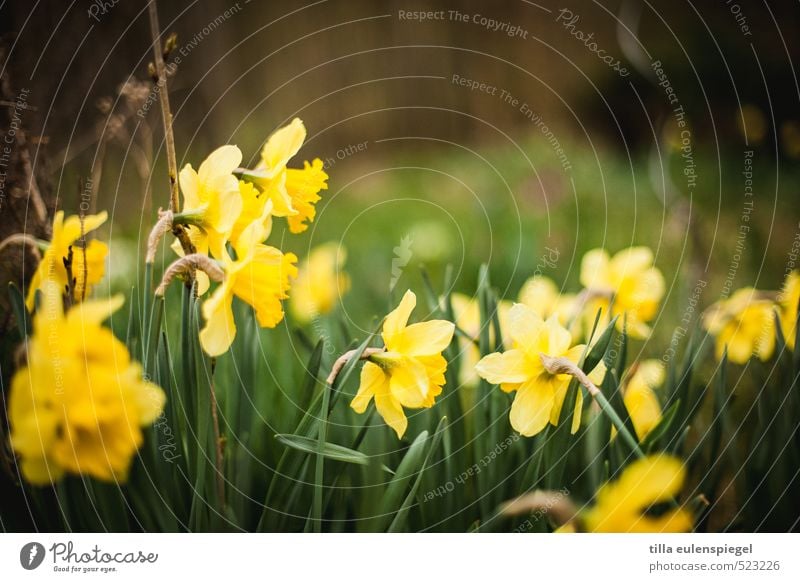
{"x": 425, "y": 172}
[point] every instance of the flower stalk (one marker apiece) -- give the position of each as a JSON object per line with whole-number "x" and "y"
{"x": 563, "y": 365}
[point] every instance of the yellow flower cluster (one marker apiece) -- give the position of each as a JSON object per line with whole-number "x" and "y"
{"x": 79, "y": 403}
{"x": 746, "y": 323}
{"x": 626, "y": 285}
{"x": 229, "y": 219}
{"x": 544, "y": 323}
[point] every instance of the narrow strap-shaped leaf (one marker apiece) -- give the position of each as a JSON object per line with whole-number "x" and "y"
{"x": 400, "y": 519}
{"x": 18, "y": 308}
{"x": 408, "y": 467}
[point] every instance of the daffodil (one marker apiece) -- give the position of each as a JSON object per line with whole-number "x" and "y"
{"x": 320, "y": 283}
{"x": 256, "y": 207}
{"x": 294, "y": 192}
{"x": 640, "y": 398}
{"x": 52, "y": 267}
{"x": 467, "y": 317}
{"x": 788, "y": 301}
{"x": 539, "y": 394}
{"x": 260, "y": 276}
{"x": 624, "y": 505}
{"x": 541, "y": 294}
{"x": 467, "y": 314}
{"x": 212, "y": 202}
{"x": 79, "y": 402}
{"x": 627, "y": 285}
{"x": 744, "y": 324}
{"x": 410, "y": 373}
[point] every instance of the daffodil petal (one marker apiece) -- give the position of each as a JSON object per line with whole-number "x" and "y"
{"x": 71, "y": 229}
{"x": 397, "y": 319}
{"x": 283, "y": 145}
{"x": 96, "y": 311}
{"x": 391, "y": 412}
{"x": 409, "y": 383}
{"x": 530, "y": 411}
{"x": 221, "y": 162}
{"x": 423, "y": 339}
{"x": 595, "y": 270}
{"x": 373, "y": 379}
{"x": 651, "y": 480}
{"x": 190, "y": 187}
{"x": 524, "y": 326}
{"x": 631, "y": 261}
{"x": 509, "y": 367}
{"x": 217, "y": 335}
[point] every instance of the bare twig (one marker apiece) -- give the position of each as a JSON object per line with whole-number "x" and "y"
{"x": 169, "y": 135}
{"x": 186, "y": 266}
{"x": 166, "y": 112}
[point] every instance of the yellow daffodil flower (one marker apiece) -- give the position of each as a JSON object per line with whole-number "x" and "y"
{"x": 294, "y": 192}
{"x": 51, "y": 268}
{"x": 745, "y": 324}
{"x": 212, "y": 200}
{"x": 260, "y": 276}
{"x": 79, "y": 402}
{"x": 541, "y": 294}
{"x": 539, "y": 394}
{"x": 467, "y": 314}
{"x": 255, "y": 207}
{"x": 320, "y": 282}
{"x": 621, "y": 506}
{"x": 788, "y": 301}
{"x": 410, "y": 373}
{"x": 640, "y": 398}
{"x": 468, "y": 318}
{"x": 627, "y": 285}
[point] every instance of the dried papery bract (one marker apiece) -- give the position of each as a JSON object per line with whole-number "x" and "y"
{"x": 555, "y": 504}
{"x": 187, "y": 265}
{"x": 162, "y": 227}
{"x": 342, "y": 360}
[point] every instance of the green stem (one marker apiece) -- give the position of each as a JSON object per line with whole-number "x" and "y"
{"x": 609, "y": 411}
{"x": 316, "y": 515}
{"x": 566, "y": 366}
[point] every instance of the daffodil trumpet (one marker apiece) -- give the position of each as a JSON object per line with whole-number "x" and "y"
{"x": 562, "y": 365}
